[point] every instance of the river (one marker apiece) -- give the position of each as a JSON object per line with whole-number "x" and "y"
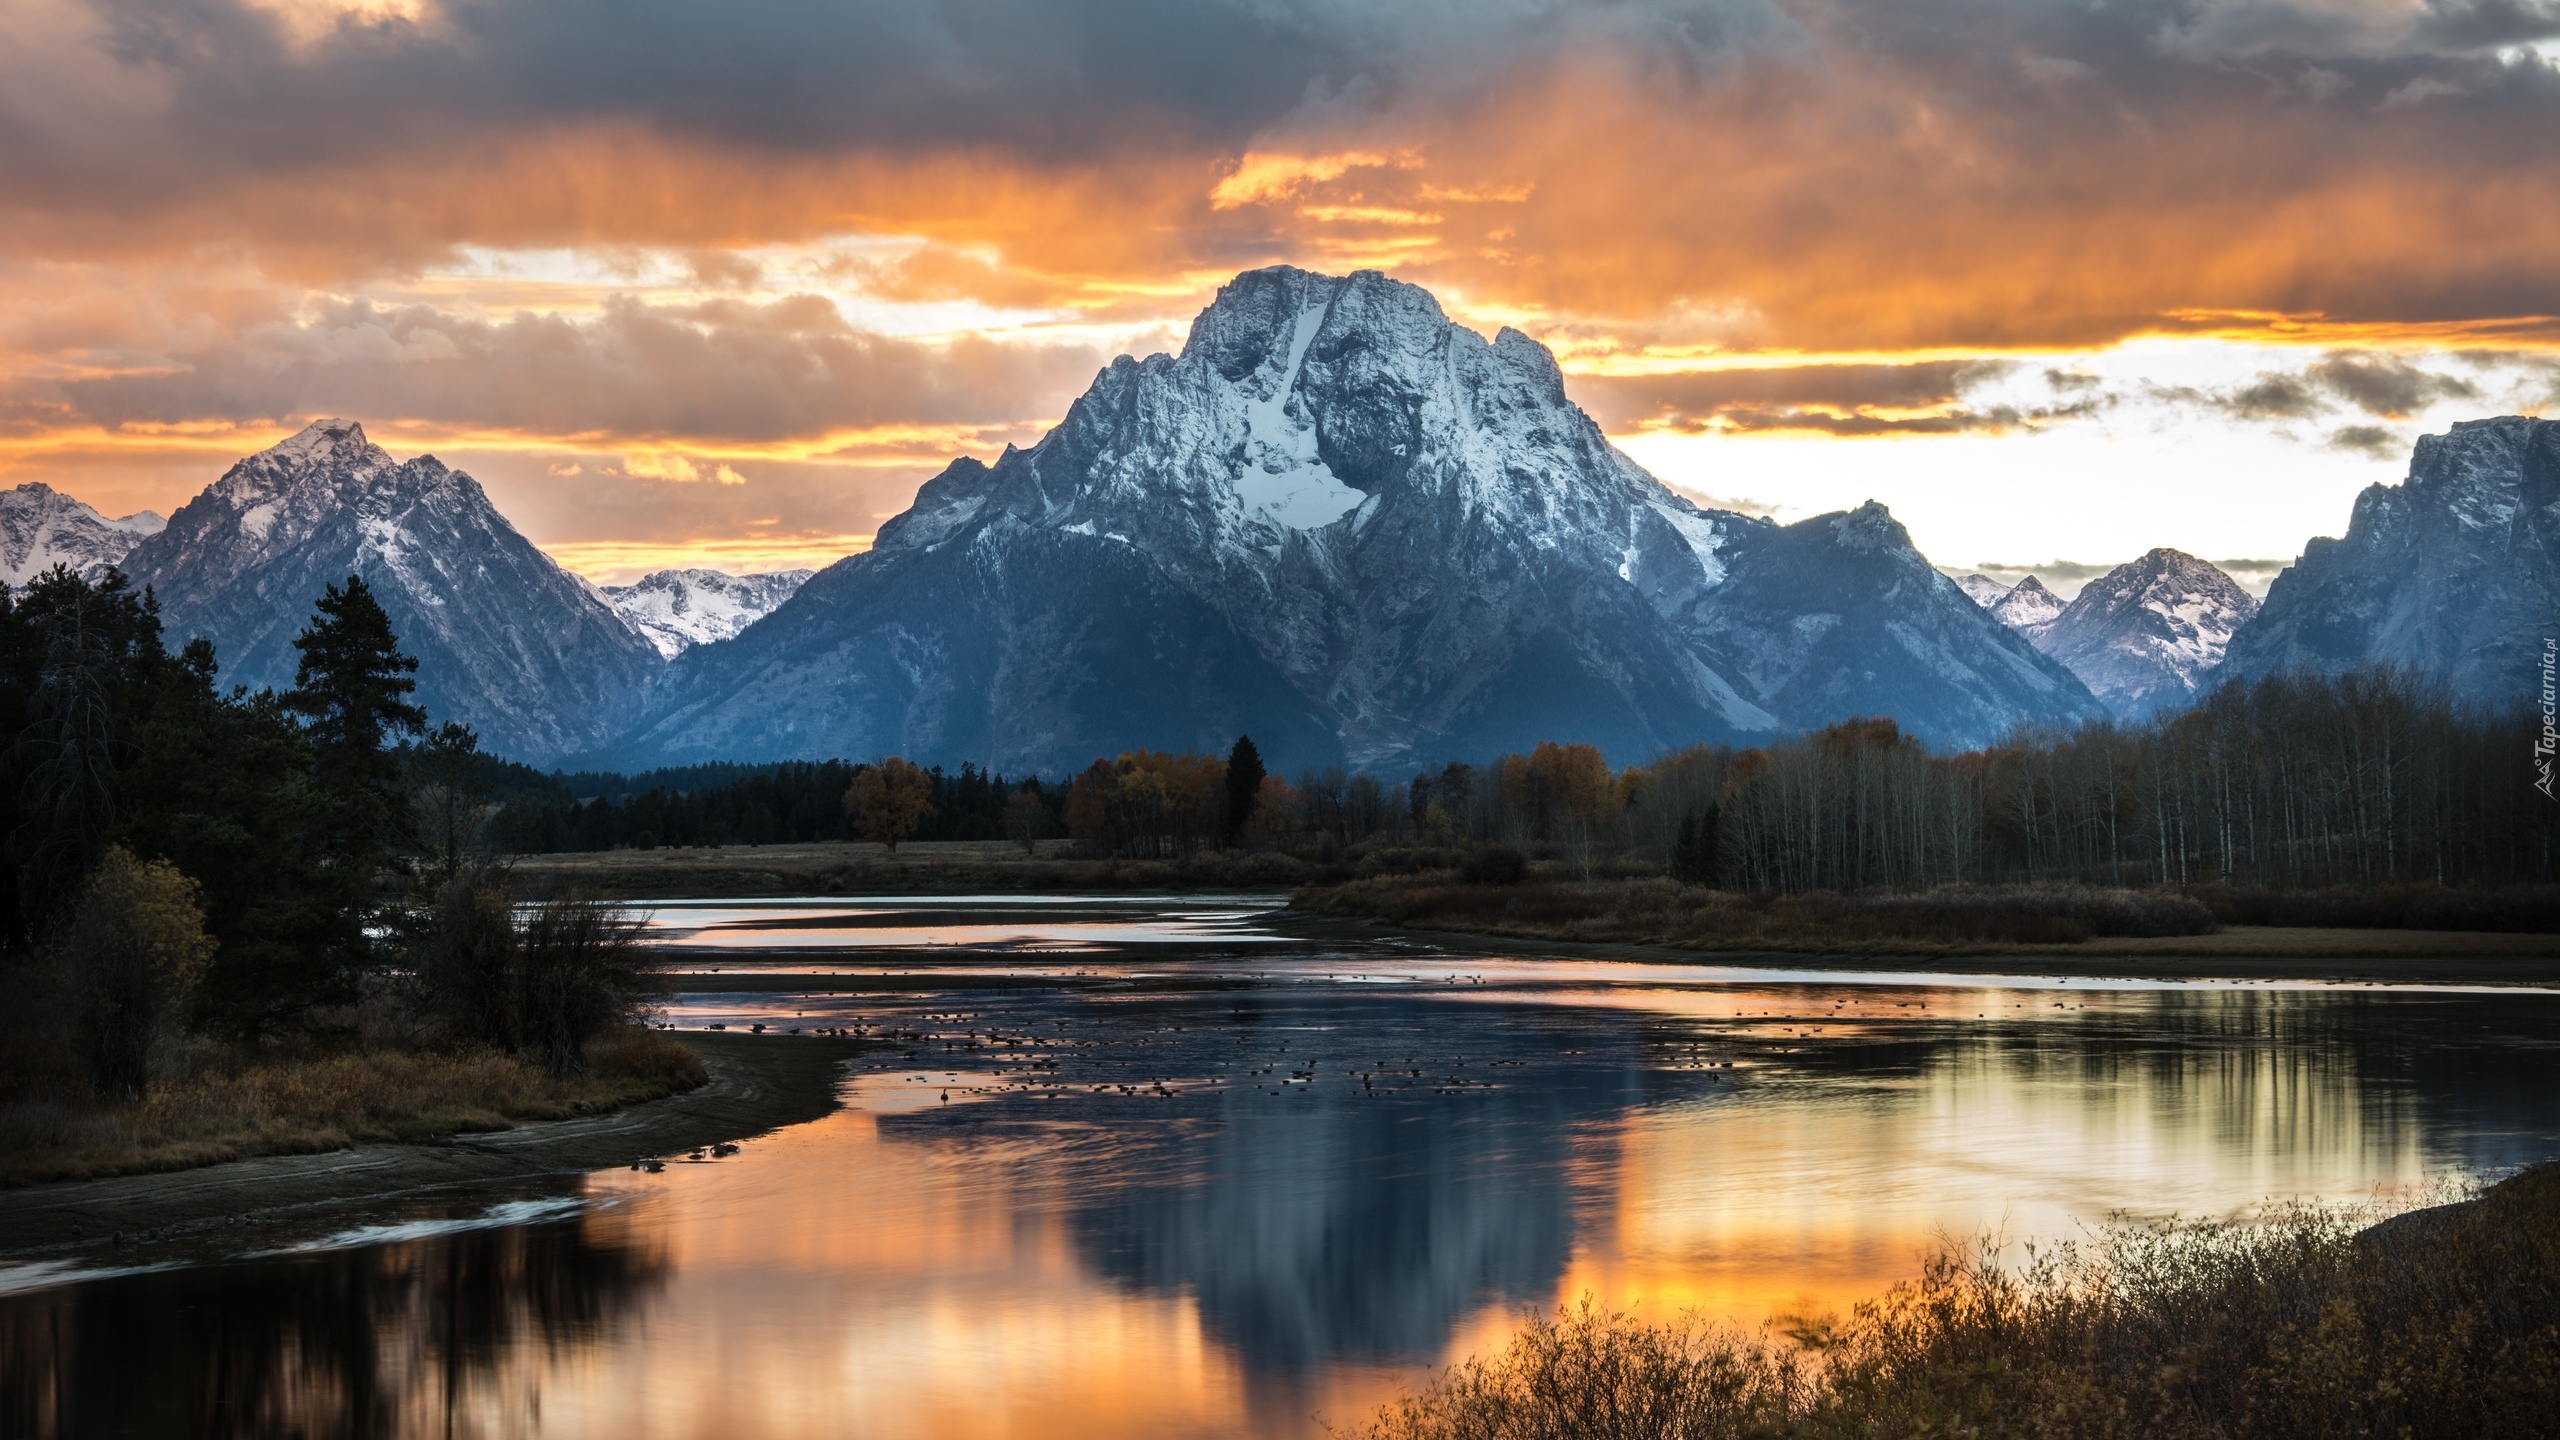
{"x": 1153, "y": 1167}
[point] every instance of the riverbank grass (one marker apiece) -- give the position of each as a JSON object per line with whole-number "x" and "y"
{"x": 2443, "y": 1322}
{"x": 230, "y": 1107}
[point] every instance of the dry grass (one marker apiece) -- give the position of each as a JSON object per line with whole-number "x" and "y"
{"x": 954, "y": 867}
{"x": 2441, "y": 1323}
{"x": 229, "y": 1109}
{"x": 1664, "y": 912}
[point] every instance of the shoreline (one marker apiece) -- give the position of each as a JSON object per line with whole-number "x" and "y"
{"x": 2361, "y": 957}
{"x": 758, "y": 1084}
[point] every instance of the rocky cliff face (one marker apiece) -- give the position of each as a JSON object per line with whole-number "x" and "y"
{"x": 679, "y": 609}
{"x": 40, "y": 527}
{"x": 2143, "y": 636}
{"x": 2452, "y": 571}
{"x": 1360, "y": 532}
{"x": 507, "y": 641}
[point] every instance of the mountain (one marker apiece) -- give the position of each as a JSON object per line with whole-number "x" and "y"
{"x": 40, "y": 527}
{"x": 679, "y": 609}
{"x": 1362, "y": 533}
{"x": 1982, "y": 590}
{"x": 2028, "y": 607}
{"x": 2452, "y": 571}
{"x": 507, "y": 642}
{"x": 2143, "y": 635}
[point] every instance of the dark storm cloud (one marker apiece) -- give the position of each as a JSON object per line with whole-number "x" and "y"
{"x": 2386, "y": 385}
{"x": 725, "y": 371}
{"x": 2381, "y": 385}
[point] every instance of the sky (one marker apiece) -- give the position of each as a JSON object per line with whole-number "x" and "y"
{"x": 685, "y": 282}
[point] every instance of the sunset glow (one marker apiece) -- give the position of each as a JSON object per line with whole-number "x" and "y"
{"x": 2052, "y": 282}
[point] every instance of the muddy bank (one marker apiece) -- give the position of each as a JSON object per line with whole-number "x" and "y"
{"x": 757, "y": 1083}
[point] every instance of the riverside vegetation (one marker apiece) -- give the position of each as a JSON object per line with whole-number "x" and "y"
{"x": 256, "y": 923}
{"x": 2441, "y": 1322}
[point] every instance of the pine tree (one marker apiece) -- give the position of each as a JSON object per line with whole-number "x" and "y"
{"x": 352, "y": 691}
{"x": 1696, "y": 858}
{"x": 1244, "y": 785}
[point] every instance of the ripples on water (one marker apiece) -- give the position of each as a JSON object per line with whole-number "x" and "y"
{"x": 1148, "y": 1168}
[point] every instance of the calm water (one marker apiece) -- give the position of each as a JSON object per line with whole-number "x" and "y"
{"x": 1187, "y": 1177}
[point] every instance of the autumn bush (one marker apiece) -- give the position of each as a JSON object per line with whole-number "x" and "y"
{"x": 2530, "y": 909}
{"x": 2438, "y": 1323}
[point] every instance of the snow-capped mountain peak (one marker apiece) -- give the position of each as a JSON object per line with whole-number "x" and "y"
{"x": 2144, "y": 634}
{"x": 1982, "y": 590}
{"x": 507, "y": 641}
{"x": 1364, "y": 533}
{"x": 40, "y": 527}
{"x": 679, "y": 609}
{"x": 2028, "y": 607}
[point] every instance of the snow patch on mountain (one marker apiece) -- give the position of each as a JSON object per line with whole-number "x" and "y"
{"x": 679, "y": 609}
{"x": 40, "y": 527}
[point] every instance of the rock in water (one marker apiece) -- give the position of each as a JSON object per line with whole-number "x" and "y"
{"x": 1360, "y": 532}
{"x": 2451, "y": 572}
{"x": 40, "y": 527}
{"x": 507, "y": 642}
{"x": 2143, "y": 636}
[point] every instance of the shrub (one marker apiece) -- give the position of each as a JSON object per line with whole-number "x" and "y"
{"x": 1495, "y": 865}
{"x": 132, "y": 951}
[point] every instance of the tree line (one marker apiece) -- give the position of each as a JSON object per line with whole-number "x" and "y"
{"x": 2374, "y": 777}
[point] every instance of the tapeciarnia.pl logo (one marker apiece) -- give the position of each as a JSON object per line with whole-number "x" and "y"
{"x": 2549, "y": 740}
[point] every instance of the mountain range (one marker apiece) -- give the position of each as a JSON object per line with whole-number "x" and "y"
{"x": 1336, "y": 520}
{"x": 40, "y": 527}
{"x": 1362, "y": 533}
{"x": 679, "y": 609}
{"x": 2145, "y": 636}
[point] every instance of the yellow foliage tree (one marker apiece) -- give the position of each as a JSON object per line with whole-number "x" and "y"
{"x": 889, "y": 800}
{"x": 135, "y": 948}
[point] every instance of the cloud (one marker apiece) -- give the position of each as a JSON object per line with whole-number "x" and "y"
{"x": 2372, "y": 440}
{"x": 1924, "y": 398}
{"x": 735, "y": 371}
{"x": 2386, "y": 385}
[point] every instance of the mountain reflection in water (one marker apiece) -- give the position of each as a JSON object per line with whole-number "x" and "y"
{"x": 1220, "y": 1195}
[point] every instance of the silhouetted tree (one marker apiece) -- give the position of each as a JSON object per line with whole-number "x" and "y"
{"x": 1244, "y": 785}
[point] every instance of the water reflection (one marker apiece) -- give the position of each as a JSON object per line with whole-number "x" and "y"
{"x": 1184, "y": 1202}
{"x": 450, "y": 1334}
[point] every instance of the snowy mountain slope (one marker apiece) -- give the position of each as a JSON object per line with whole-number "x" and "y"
{"x": 2144, "y": 635}
{"x": 1361, "y": 532}
{"x": 2455, "y": 571}
{"x": 2028, "y": 607}
{"x": 40, "y": 527}
{"x": 1982, "y": 590}
{"x": 679, "y": 609}
{"x": 507, "y": 641}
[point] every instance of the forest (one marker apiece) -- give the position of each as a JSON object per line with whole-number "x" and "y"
{"x": 2368, "y": 778}
{"x": 238, "y": 922}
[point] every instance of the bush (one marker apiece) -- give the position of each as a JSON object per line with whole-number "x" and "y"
{"x": 2525, "y": 909}
{"x": 131, "y": 954}
{"x": 2439, "y": 1323}
{"x": 1495, "y": 865}
{"x": 542, "y": 983}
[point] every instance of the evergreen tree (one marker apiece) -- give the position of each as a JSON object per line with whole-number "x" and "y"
{"x": 1696, "y": 857}
{"x": 1244, "y": 785}
{"x": 352, "y": 691}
